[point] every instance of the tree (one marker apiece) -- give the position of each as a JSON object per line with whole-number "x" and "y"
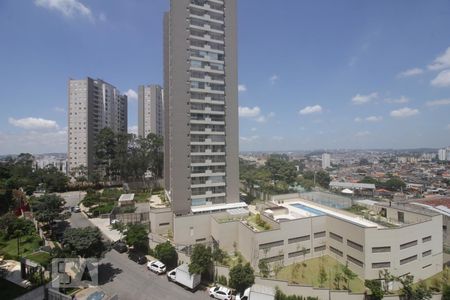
{"x": 85, "y": 242}
{"x": 338, "y": 277}
{"x": 263, "y": 268}
{"x": 446, "y": 292}
{"x": 137, "y": 237}
{"x": 166, "y": 253}
{"x": 47, "y": 208}
{"x": 201, "y": 260}
{"x": 368, "y": 179}
{"x": 219, "y": 255}
{"x": 322, "y": 276}
{"x": 241, "y": 277}
{"x": 10, "y": 225}
{"x": 376, "y": 291}
{"x": 105, "y": 148}
{"x": 420, "y": 292}
{"x": 348, "y": 275}
{"x": 281, "y": 168}
{"x": 394, "y": 184}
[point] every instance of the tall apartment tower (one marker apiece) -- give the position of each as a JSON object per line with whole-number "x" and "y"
{"x": 442, "y": 154}
{"x": 326, "y": 161}
{"x": 201, "y": 163}
{"x": 93, "y": 105}
{"x": 150, "y": 110}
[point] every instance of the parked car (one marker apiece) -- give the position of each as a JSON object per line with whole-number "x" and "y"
{"x": 157, "y": 267}
{"x": 137, "y": 257}
{"x": 220, "y": 292}
{"x": 120, "y": 247}
{"x": 76, "y": 209}
{"x": 172, "y": 275}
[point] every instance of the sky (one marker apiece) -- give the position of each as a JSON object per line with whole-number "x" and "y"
{"x": 312, "y": 74}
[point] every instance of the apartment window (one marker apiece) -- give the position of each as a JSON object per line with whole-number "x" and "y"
{"x": 426, "y": 253}
{"x": 336, "y": 251}
{"x": 200, "y": 240}
{"x": 164, "y": 224}
{"x": 299, "y": 253}
{"x": 408, "y": 259}
{"x": 424, "y": 267}
{"x": 319, "y": 234}
{"x": 299, "y": 239}
{"x": 270, "y": 245}
{"x": 355, "y": 245}
{"x": 273, "y": 258}
{"x": 355, "y": 261}
{"x": 401, "y": 216}
{"x": 336, "y": 237}
{"x": 408, "y": 245}
{"x": 380, "y": 265}
{"x": 319, "y": 248}
{"x": 426, "y": 239}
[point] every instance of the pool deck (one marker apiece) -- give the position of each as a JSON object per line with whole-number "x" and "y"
{"x": 310, "y": 208}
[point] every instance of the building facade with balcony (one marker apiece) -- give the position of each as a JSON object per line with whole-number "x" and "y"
{"x": 93, "y": 105}
{"x": 200, "y": 102}
{"x": 150, "y": 110}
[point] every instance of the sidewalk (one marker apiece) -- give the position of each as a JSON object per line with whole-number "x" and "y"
{"x": 106, "y": 228}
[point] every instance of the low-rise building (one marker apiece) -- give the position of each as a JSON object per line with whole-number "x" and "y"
{"x": 290, "y": 229}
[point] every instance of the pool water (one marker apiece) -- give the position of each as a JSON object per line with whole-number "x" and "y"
{"x": 308, "y": 209}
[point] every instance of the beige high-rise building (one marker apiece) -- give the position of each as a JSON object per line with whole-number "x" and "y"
{"x": 150, "y": 110}
{"x": 201, "y": 107}
{"x": 93, "y": 105}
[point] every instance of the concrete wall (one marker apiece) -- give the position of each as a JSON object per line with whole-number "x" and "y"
{"x": 225, "y": 233}
{"x": 192, "y": 229}
{"x": 160, "y": 216}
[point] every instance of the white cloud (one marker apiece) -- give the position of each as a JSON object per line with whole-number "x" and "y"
{"x": 33, "y": 123}
{"x": 441, "y": 62}
{"x": 249, "y": 139}
{"x": 102, "y": 17}
{"x": 439, "y": 102}
{"x": 253, "y": 129}
{"x": 242, "y": 88}
{"x": 34, "y": 142}
{"x": 374, "y": 119}
{"x": 410, "y": 72}
{"x": 369, "y": 119}
{"x": 132, "y": 95}
{"x": 442, "y": 79}
{"x": 69, "y": 8}
{"x": 133, "y": 129}
{"x": 310, "y": 110}
{"x": 274, "y": 78}
{"x": 271, "y": 114}
{"x": 400, "y": 100}
{"x": 404, "y": 112}
{"x": 248, "y": 112}
{"x": 448, "y": 127}
{"x": 362, "y": 99}
{"x": 362, "y": 133}
{"x": 277, "y": 138}
{"x": 59, "y": 109}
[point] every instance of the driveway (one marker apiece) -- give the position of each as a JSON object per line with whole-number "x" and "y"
{"x": 120, "y": 276}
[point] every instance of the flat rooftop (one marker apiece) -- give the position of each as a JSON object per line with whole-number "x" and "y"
{"x": 299, "y": 208}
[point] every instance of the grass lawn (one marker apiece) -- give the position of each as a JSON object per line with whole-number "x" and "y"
{"x": 252, "y": 221}
{"x": 9, "y": 290}
{"x": 41, "y": 257}
{"x": 28, "y": 245}
{"x": 310, "y": 274}
{"x": 142, "y": 197}
{"x": 436, "y": 282}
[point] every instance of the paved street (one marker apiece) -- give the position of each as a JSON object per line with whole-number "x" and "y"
{"x": 120, "y": 276}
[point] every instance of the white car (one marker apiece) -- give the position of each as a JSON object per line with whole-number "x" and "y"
{"x": 220, "y": 292}
{"x": 76, "y": 209}
{"x": 156, "y": 266}
{"x": 171, "y": 276}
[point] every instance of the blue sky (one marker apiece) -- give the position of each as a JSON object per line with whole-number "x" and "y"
{"x": 312, "y": 74}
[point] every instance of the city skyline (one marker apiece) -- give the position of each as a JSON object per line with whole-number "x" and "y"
{"x": 385, "y": 87}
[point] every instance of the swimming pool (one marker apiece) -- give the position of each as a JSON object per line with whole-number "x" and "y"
{"x": 308, "y": 209}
